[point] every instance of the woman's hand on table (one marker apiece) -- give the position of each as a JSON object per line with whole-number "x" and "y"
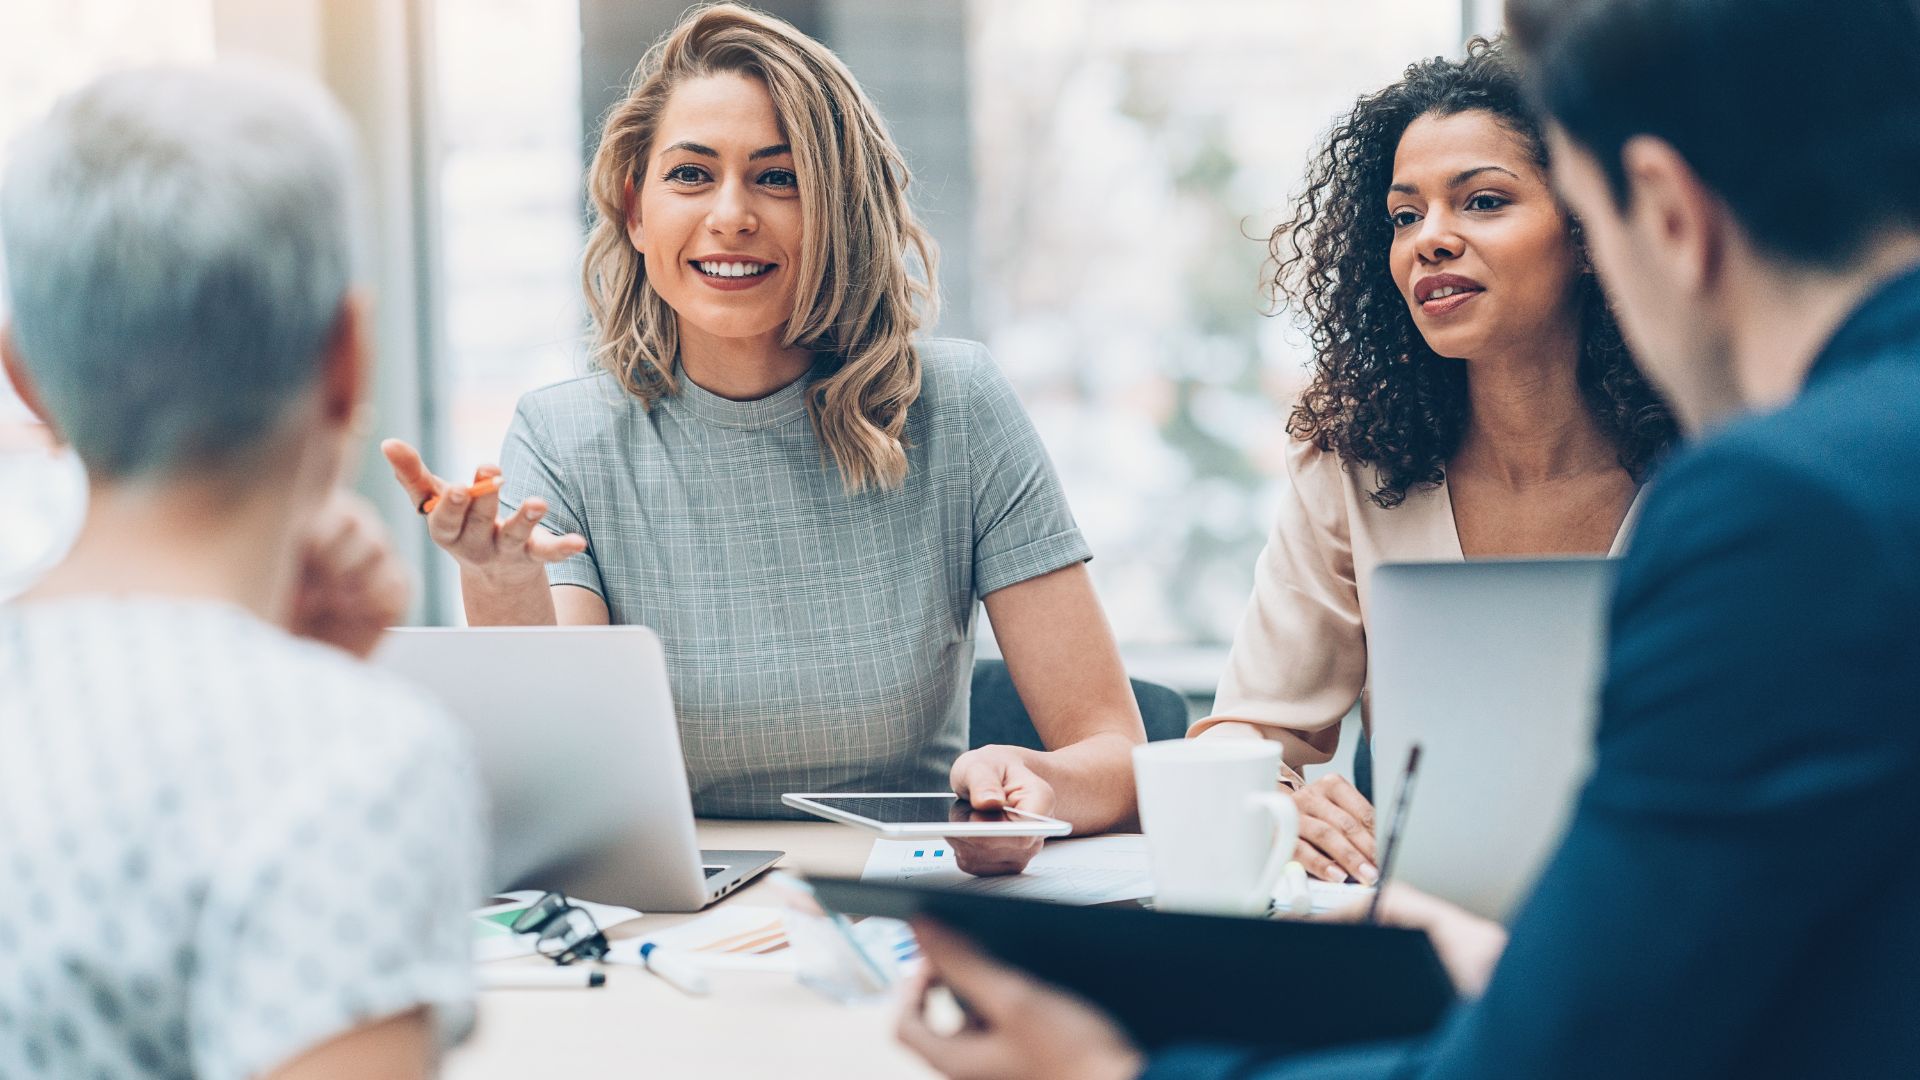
{"x": 994, "y": 778}
{"x": 1336, "y": 831}
{"x": 508, "y": 551}
{"x": 1016, "y": 1028}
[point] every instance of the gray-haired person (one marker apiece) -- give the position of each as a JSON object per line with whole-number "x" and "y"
{"x": 228, "y": 848}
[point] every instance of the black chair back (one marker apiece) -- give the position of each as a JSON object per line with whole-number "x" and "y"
{"x": 999, "y": 718}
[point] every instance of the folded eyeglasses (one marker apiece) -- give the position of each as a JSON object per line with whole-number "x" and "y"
{"x": 566, "y": 932}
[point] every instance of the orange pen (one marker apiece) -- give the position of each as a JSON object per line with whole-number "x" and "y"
{"x": 480, "y": 487}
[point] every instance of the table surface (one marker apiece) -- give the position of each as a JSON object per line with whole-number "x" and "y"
{"x": 753, "y": 1024}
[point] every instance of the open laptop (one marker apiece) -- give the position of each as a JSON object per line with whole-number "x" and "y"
{"x": 580, "y": 753}
{"x": 1493, "y": 667}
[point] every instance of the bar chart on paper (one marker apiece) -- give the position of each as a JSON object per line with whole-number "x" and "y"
{"x": 1093, "y": 870}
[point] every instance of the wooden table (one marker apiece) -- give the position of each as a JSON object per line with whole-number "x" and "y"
{"x": 754, "y": 1024}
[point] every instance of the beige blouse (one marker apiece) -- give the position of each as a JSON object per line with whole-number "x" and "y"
{"x": 1299, "y": 659}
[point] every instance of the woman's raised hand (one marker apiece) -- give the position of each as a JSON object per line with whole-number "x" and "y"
{"x": 469, "y": 527}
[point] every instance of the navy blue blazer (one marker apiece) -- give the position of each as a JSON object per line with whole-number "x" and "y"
{"x": 1738, "y": 894}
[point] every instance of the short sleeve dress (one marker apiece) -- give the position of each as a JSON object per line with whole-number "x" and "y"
{"x": 816, "y": 640}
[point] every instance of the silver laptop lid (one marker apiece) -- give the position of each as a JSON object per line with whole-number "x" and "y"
{"x": 1493, "y": 667}
{"x": 579, "y": 750}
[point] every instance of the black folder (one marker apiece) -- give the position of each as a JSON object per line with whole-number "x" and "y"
{"x": 1174, "y": 978}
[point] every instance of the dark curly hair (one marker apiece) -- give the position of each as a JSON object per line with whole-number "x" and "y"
{"x": 1380, "y": 395}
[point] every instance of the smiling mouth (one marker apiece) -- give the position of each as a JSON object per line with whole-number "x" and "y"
{"x": 732, "y": 269}
{"x": 1446, "y": 301}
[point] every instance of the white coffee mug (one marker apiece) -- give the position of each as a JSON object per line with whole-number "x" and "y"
{"x": 1219, "y": 834}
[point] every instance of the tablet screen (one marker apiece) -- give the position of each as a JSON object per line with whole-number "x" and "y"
{"x": 913, "y": 809}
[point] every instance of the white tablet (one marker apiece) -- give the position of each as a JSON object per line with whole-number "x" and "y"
{"x": 902, "y": 815}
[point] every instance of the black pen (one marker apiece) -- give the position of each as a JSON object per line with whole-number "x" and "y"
{"x": 1393, "y": 832}
{"x": 550, "y": 977}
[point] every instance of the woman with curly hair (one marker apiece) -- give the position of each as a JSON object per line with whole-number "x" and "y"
{"x": 771, "y": 469}
{"x": 1470, "y": 397}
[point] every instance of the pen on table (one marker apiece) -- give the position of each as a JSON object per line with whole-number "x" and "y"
{"x": 673, "y": 968}
{"x": 1393, "y": 833}
{"x": 537, "y": 978}
{"x": 486, "y": 486}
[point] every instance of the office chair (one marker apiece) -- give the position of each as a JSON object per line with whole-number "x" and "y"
{"x": 997, "y": 715}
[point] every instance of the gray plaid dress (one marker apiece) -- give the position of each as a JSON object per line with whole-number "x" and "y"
{"x": 816, "y": 641}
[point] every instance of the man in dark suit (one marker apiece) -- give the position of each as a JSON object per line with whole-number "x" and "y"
{"x": 1736, "y": 894}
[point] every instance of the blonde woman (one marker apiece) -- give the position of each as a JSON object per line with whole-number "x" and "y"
{"x": 769, "y": 468}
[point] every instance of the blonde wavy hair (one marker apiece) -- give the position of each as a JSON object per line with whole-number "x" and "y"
{"x": 858, "y": 302}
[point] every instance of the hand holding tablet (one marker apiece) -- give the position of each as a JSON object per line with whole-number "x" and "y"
{"x": 912, "y": 815}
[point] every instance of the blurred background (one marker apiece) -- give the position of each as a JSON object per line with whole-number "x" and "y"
{"x": 1100, "y": 174}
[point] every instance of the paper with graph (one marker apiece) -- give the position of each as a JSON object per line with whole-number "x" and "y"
{"x": 1093, "y": 870}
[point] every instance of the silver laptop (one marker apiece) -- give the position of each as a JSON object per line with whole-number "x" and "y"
{"x": 1493, "y": 667}
{"x": 580, "y": 754}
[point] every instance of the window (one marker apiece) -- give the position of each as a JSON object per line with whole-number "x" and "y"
{"x": 1130, "y": 157}
{"x": 511, "y": 227}
{"x": 508, "y": 74}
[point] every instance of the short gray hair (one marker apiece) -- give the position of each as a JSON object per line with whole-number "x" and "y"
{"x": 178, "y": 247}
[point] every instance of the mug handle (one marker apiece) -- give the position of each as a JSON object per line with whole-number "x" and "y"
{"x": 1286, "y": 832}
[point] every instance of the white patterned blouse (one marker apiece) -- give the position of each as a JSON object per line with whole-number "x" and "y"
{"x": 219, "y": 845}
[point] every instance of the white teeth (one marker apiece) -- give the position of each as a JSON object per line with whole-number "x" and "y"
{"x": 731, "y": 269}
{"x": 1446, "y": 291}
